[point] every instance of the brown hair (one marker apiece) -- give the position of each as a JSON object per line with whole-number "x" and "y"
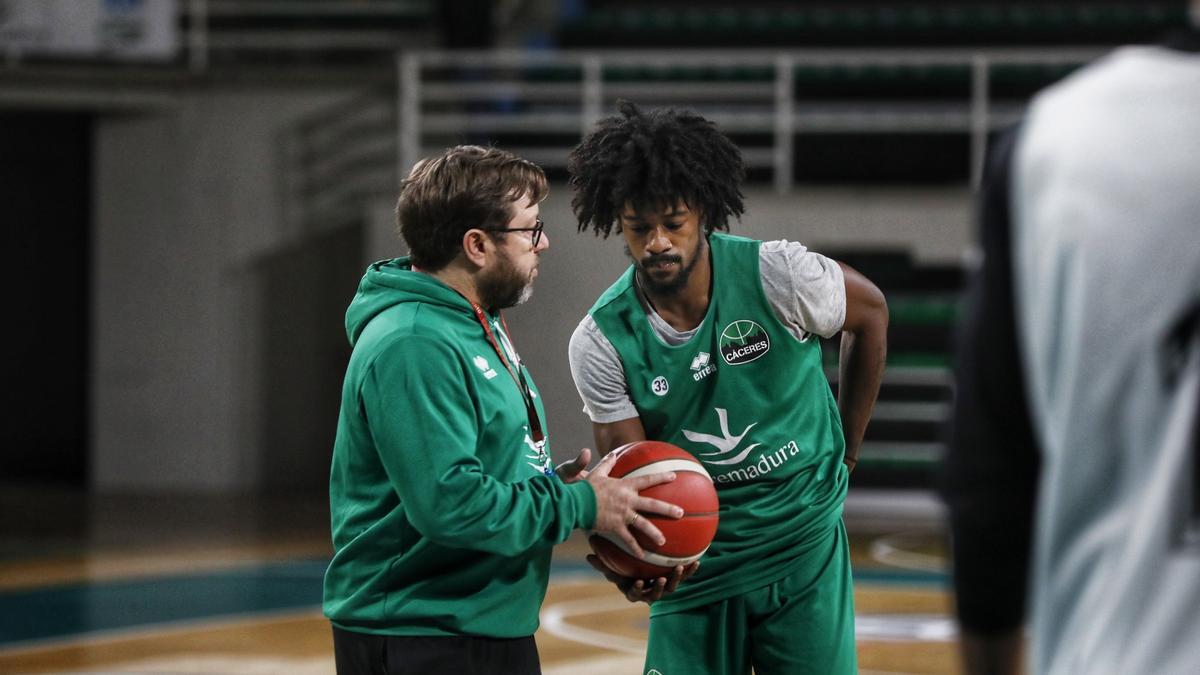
{"x": 464, "y": 187}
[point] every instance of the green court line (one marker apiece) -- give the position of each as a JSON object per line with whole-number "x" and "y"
{"x": 31, "y": 615}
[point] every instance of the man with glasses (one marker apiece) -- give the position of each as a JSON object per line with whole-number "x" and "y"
{"x": 444, "y": 504}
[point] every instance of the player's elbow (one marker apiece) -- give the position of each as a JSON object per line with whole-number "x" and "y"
{"x": 878, "y": 309}
{"x": 866, "y": 307}
{"x": 871, "y": 314}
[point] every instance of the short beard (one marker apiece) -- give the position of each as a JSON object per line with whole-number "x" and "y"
{"x": 674, "y": 286}
{"x": 504, "y": 286}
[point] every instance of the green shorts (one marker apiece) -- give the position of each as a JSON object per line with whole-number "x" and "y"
{"x": 803, "y": 623}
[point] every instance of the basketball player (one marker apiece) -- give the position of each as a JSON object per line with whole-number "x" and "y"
{"x": 444, "y": 504}
{"x": 1078, "y": 379}
{"x": 709, "y": 341}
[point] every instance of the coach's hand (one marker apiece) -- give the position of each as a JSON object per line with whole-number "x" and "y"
{"x": 645, "y": 590}
{"x": 619, "y": 507}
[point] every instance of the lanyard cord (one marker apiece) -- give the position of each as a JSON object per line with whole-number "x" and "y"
{"x": 535, "y": 424}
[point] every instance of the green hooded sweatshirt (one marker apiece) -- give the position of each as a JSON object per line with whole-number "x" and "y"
{"x": 443, "y": 510}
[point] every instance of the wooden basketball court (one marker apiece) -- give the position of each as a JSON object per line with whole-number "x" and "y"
{"x": 150, "y": 587}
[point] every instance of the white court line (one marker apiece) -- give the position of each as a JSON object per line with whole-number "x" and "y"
{"x": 607, "y": 665}
{"x": 554, "y": 620}
{"x": 905, "y": 628}
{"x": 596, "y": 665}
{"x": 890, "y": 550}
{"x": 867, "y": 627}
{"x": 199, "y": 663}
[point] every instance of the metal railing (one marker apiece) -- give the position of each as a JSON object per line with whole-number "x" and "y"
{"x": 540, "y": 103}
{"x": 240, "y": 31}
{"x": 337, "y": 160}
{"x": 202, "y": 39}
{"x": 459, "y": 86}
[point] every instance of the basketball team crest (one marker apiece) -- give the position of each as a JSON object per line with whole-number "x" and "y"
{"x": 743, "y": 341}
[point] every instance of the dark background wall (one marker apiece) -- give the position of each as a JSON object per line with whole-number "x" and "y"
{"x": 304, "y": 289}
{"x": 45, "y": 207}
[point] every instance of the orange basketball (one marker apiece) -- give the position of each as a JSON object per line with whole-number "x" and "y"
{"x": 688, "y": 537}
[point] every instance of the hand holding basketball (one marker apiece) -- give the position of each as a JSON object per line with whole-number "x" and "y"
{"x": 619, "y": 507}
{"x": 575, "y": 469}
{"x": 686, "y": 539}
{"x": 645, "y": 590}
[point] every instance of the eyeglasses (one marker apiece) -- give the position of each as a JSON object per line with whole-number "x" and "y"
{"x": 536, "y": 237}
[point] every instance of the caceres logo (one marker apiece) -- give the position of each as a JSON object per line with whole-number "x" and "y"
{"x": 743, "y": 341}
{"x": 702, "y": 366}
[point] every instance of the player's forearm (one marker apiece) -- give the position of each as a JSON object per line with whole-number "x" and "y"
{"x": 612, "y": 435}
{"x": 860, "y": 371}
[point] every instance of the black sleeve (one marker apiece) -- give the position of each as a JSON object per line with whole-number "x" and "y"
{"x": 989, "y": 476}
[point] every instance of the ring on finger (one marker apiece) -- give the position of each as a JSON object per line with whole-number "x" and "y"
{"x": 634, "y": 518}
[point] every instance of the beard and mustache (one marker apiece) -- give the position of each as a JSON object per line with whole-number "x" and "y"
{"x": 505, "y": 285}
{"x": 671, "y": 285}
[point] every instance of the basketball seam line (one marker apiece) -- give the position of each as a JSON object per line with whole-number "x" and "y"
{"x": 674, "y": 464}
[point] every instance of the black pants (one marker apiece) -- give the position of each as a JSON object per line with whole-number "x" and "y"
{"x": 364, "y": 654}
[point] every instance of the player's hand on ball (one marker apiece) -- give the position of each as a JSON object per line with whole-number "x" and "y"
{"x": 686, "y": 537}
{"x": 619, "y": 507}
{"x": 645, "y": 590}
{"x": 575, "y": 469}
{"x": 680, "y": 574}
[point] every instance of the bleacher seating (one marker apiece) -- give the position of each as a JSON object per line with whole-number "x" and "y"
{"x": 905, "y": 438}
{"x": 313, "y": 33}
{"x": 810, "y": 24}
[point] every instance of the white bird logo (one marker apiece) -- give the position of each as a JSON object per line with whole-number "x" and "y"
{"x": 724, "y": 445}
{"x": 541, "y": 458}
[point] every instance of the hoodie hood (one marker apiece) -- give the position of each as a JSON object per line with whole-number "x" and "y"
{"x": 390, "y": 282}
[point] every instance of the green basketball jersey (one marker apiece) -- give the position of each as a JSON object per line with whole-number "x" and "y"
{"x": 751, "y": 402}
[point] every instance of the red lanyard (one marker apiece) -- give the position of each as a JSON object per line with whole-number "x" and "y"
{"x": 535, "y": 424}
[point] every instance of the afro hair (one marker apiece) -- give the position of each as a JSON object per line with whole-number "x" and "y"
{"x": 652, "y": 160}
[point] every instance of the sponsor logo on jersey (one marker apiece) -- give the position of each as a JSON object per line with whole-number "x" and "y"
{"x": 743, "y": 341}
{"x": 485, "y": 367}
{"x": 726, "y": 444}
{"x": 729, "y": 452}
{"x": 702, "y": 366}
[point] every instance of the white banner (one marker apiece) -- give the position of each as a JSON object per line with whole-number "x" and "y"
{"x": 120, "y": 29}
